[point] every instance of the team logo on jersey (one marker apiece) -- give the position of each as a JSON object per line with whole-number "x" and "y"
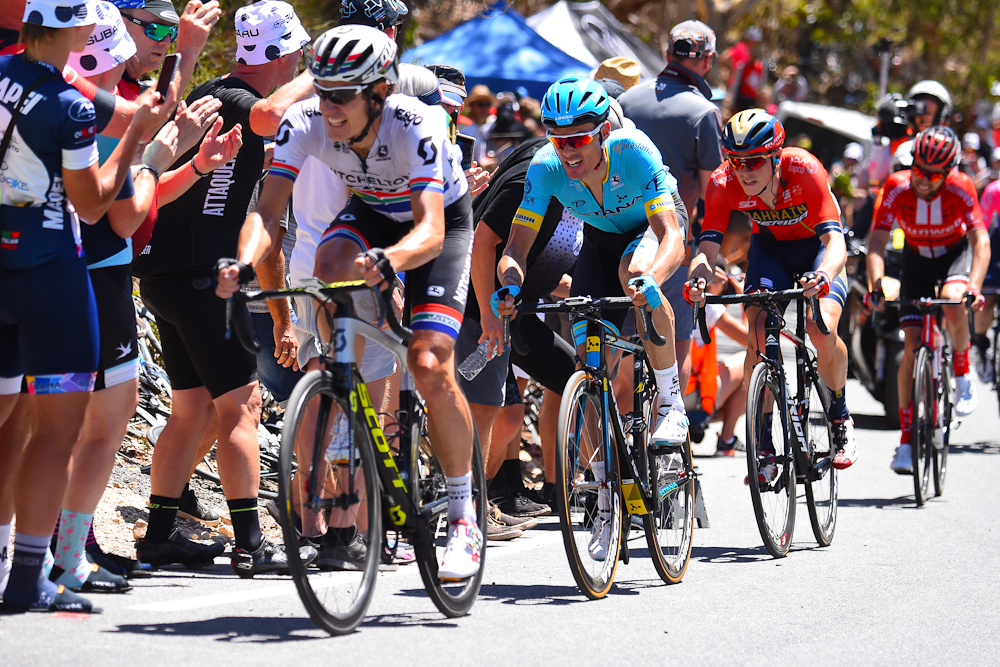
{"x": 382, "y": 154}
{"x": 284, "y": 131}
{"x": 435, "y": 290}
{"x": 9, "y": 240}
{"x": 749, "y": 202}
{"x": 408, "y": 117}
{"x": 527, "y": 186}
{"x": 802, "y": 165}
{"x": 783, "y": 217}
{"x": 616, "y": 181}
{"x": 82, "y": 111}
{"x": 426, "y": 150}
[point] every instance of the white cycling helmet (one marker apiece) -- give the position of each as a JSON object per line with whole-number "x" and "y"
{"x": 931, "y": 88}
{"x": 353, "y": 54}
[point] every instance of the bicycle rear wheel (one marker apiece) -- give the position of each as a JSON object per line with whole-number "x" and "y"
{"x": 592, "y": 536}
{"x": 669, "y": 530}
{"x": 770, "y": 464}
{"x": 335, "y": 600}
{"x": 430, "y": 496}
{"x": 924, "y": 422}
{"x": 946, "y": 403}
{"x": 821, "y": 485}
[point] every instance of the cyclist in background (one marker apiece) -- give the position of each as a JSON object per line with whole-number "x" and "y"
{"x": 796, "y": 231}
{"x": 935, "y": 206}
{"x": 990, "y": 205}
{"x": 51, "y": 163}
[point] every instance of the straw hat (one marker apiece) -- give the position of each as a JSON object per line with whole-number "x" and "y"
{"x": 621, "y": 69}
{"x": 480, "y": 92}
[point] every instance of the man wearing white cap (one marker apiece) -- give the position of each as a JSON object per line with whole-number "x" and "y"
{"x": 205, "y": 369}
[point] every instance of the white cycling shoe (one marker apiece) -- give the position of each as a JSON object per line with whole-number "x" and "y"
{"x": 845, "y": 444}
{"x": 966, "y": 399}
{"x": 902, "y": 460}
{"x": 600, "y": 538}
{"x": 673, "y": 427}
{"x": 462, "y": 555}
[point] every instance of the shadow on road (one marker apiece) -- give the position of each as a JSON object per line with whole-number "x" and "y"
{"x": 871, "y": 422}
{"x": 429, "y": 619}
{"x": 231, "y": 628}
{"x": 531, "y": 595}
{"x": 975, "y": 448}
{"x": 902, "y": 502}
{"x": 730, "y": 554}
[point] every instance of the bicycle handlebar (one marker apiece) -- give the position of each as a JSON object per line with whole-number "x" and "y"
{"x": 581, "y": 304}
{"x": 757, "y": 298}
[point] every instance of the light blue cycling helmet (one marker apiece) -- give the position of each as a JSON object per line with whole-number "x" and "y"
{"x": 574, "y": 101}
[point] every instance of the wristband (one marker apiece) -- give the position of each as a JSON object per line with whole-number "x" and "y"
{"x": 511, "y": 290}
{"x": 195, "y": 170}
{"x": 156, "y": 174}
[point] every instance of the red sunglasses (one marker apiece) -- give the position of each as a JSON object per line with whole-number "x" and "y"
{"x": 932, "y": 176}
{"x": 749, "y": 163}
{"x": 574, "y": 140}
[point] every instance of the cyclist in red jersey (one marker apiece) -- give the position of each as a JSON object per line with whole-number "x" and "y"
{"x": 796, "y": 232}
{"x": 946, "y": 241}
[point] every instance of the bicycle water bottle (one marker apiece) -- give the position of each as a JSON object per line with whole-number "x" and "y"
{"x": 476, "y": 361}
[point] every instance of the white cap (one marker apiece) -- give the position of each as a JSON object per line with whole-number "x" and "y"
{"x": 996, "y": 154}
{"x": 971, "y": 141}
{"x": 62, "y": 13}
{"x": 854, "y": 151}
{"x": 267, "y": 30}
{"x": 109, "y": 45}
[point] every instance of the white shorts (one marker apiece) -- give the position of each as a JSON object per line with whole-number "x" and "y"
{"x": 377, "y": 363}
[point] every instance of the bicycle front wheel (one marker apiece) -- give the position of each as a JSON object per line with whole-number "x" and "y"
{"x": 324, "y": 502}
{"x": 821, "y": 480}
{"x": 430, "y": 494}
{"x": 770, "y": 463}
{"x": 590, "y": 512}
{"x": 946, "y": 404}
{"x": 669, "y": 530}
{"x": 924, "y": 423}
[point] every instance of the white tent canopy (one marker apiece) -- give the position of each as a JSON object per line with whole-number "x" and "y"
{"x": 590, "y": 33}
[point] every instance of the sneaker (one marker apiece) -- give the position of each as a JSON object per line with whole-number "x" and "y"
{"x": 767, "y": 471}
{"x": 600, "y": 537}
{"x": 965, "y": 396}
{"x": 191, "y": 508}
{"x": 461, "y": 556}
{"x": 98, "y": 580}
{"x": 734, "y": 448}
{"x": 982, "y": 361}
{"x": 339, "y": 449}
{"x": 672, "y": 429}
{"x": 63, "y": 600}
{"x": 522, "y": 523}
{"x": 845, "y": 444}
{"x": 902, "y": 460}
{"x": 115, "y": 564}
{"x": 519, "y": 506}
{"x": 268, "y": 558}
{"x": 497, "y": 531}
{"x": 177, "y": 549}
{"x": 350, "y": 557}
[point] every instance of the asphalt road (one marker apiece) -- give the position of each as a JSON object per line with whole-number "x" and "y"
{"x": 899, "y": 584}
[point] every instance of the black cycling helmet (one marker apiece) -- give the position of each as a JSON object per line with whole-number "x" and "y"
{"x": 381, "y": 14}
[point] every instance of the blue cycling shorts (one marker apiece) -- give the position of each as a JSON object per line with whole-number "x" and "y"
{"x": 777, "y": 265}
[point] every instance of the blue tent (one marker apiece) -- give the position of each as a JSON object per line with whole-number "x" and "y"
{"x": 500, "y": 50}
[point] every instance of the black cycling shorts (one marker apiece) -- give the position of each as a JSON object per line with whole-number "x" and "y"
{"x": 919, "y": 277}
{"x": 774, "y": 265}
{"x": 48, "y": 329}
{"x": 119, "y": 347}
{"x": 435, "y": 292}
{"x": 551, "y": 360}
{"x": 192, "y": 325}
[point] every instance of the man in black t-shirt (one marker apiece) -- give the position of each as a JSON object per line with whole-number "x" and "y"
{"x": 205, "y": 368}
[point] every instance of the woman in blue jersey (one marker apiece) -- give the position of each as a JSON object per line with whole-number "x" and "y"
{"x": 48, "y": 322}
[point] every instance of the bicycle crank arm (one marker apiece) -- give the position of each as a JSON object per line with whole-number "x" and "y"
{"x": 342, "y": 502}
{"x": 439, "y": 506}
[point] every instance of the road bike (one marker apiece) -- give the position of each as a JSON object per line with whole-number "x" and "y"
{"x": 388, "y": 477}
{"x": 933, "y": 397}
{"x": 654, "y": 483}
{"x": 796, "y": 448}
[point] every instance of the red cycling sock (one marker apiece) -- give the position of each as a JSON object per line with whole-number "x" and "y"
{"x": 904, "y": 424}
{"x": 961, "y": 364}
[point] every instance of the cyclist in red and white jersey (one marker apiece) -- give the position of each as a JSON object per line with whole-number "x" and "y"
{"x": 796, "y": 232}
{"x": 935, "y": 206}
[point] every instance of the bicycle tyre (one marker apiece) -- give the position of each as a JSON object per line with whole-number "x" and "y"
{"x": 671, "y": 562}
{"x": 453, "y": 599}
{"x": 578, "y": 512}
{"x": 821, "y": 494}
{"x": 314, "y": 598}
{"x": 996, "y": 359}
{"x": 946, "y": 407}
{"x": 774, "y": 505}
{"x": 922, "y": 433}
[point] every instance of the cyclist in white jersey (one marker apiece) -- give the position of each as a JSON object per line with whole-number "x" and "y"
{"x": 410, "y": 197}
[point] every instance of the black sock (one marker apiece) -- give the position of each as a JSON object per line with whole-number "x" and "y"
{"x": 246, "y": 525}
{"x": 340, "y": 536}
{"x": 511, "y": 470}
{"x": 982, "y": 342}
{"x": 162, "y": 513}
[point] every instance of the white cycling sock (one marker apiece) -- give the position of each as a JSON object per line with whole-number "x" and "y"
{"x": 4, "y": 556}
{"x": 668, "y": 384}
{"x": 597, "y": 467}
{"x": 460, "y": 498}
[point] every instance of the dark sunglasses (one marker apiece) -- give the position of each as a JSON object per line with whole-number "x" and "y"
{"x": 338, "y": 96}
{"x": 155, "y": 31}
{"x": 748, "y": 163}
{"x": 932, "y": 176}
{"x": 574, "y": 140}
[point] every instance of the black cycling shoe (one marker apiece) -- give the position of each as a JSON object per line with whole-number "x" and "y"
{"x": 98, "y": 580}
{"x": 190, "y": 507}
{"x": 177, "y": 550}
{"x": 64, "y": 600}
{"x": 115, "y": 564}
{"x": 518, "y": 505}
{"x": 268, "y": 558}
{"x": 348, "y": 557}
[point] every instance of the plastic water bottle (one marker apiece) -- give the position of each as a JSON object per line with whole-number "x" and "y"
{"x": 476, "y": 361}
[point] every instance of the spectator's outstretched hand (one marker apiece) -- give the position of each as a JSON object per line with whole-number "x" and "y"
{"x": 162, "y": 150}
{"x": 193, "y": 121}
{"x": 216, "y": 150}
{"x": 196, "y": 25}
